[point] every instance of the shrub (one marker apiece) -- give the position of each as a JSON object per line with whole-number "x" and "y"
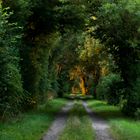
{"x": 137, "y": 114}
{"x": 109, "y": 88}
{"x": 132, "y": 104}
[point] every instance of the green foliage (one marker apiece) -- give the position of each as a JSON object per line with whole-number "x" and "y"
{"x": 117, "y": 26}
{"x": 131, "y": 104}
{"x": 11, "y": 92}
{"x": 136, "y": 96}
{"x": 71, "y": 15}
{"x": 137, "y": 114}
{"x": 21, "y": 9}
{"x": 56, "y": 39}
{"x": 44, "y": 45}
{"x": 109, "y": 88}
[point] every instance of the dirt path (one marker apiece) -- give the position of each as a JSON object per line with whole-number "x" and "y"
{"x": 59, "y": 123}
{"x": 101, "y": 127}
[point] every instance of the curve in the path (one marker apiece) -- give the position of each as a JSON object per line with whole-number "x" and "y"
{"x": 100, "y": 125}
{"x": 59, "y": 123}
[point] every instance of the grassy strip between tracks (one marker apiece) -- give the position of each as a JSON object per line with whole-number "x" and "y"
{"x": 78, "y": 126}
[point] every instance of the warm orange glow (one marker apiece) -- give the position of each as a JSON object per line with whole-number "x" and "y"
{"x": 82, "y": 86}
{"x": 78, "y": 75}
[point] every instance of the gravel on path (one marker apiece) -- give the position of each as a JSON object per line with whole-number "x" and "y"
{"x": 59, "y": 123}
{"x": 99, "y": 124}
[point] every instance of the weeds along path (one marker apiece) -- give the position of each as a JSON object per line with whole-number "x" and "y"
{"x": 100, "y": 125}
{"x": 59, "y": 123}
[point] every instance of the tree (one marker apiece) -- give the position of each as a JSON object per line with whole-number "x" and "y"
{"x": 11, "y": 91}
{"x": 117, "y": 26}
